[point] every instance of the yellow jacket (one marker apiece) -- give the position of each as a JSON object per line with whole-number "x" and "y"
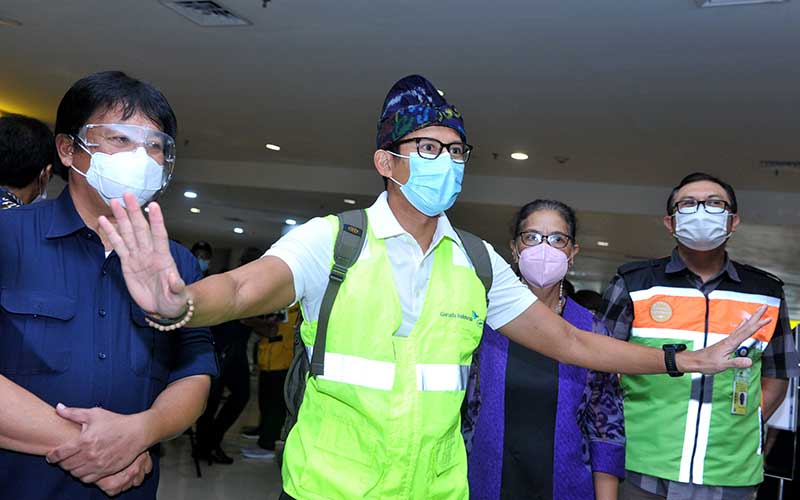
{"x": 275, "y": 356}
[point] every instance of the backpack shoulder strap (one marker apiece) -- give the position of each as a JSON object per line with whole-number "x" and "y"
{"x": 349, "y": 242}
{"x": 479, "y": 256}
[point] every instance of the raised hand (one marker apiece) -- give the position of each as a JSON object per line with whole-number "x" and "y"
{"x": 150, "y": 272}
{"x": 717, "y": 358}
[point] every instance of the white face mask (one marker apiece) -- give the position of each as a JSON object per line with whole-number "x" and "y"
{"x": 701, "y": 230}
{"x": 133, "y": 172}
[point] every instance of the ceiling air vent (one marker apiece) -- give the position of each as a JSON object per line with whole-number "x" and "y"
{"x": 793, "y": 164}
{"x": 778, "y": 166}
{"x": 728, "y": 3}
{"x": 206, "y": 13}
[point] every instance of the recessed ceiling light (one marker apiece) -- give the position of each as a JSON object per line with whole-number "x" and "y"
{"x": 441, "y": 92}
{"x": 291, "y": 222}
{"x": 238, "y": 230}
{"x": 190, "y": 194}
{"x": 273, "y": 147}
{"x": 602, "y": 243}
{"x": 519, "y": 156}
{"x": 350, "y": 201}
{"x": 194, "y": 210}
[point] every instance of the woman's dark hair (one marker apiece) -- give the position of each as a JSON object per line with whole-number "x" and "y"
{"x": 26, "y": 148}
{"x": 105, "y": 91}
{"x": 697, "y": 177}
{"x": 566, "y": 212}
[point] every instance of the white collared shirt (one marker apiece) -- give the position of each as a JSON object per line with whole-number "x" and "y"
{"x": 308, "y": 251}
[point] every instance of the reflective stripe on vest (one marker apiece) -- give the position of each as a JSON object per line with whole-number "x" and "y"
{"x": 364, "y": 372}
{"x": 355, "y": 370}
{"x": 442, "y": 377}
{"x": 662, "y": 311}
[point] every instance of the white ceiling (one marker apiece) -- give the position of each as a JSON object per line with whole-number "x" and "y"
{"x": 636, "y": 94}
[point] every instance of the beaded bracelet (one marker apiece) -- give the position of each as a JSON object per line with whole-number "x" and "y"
{"x": 170, "y": 324}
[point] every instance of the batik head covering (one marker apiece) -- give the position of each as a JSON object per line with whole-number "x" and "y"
{"x": 411, "y": 104}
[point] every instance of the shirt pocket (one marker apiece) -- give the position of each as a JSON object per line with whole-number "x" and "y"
{"x": 151, "y": 351}
{"x": 33, "y": 332}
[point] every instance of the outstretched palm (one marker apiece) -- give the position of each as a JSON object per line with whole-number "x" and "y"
{"x": 147, "y": 264}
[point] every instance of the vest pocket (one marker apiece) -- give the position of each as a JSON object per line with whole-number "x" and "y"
{"x": 33, "y": 339}
{"x": 449, "y": 469}
{"x": 342, "y": 463}
{"x": 150, "y": 349}
{"x": 447, "y": 454}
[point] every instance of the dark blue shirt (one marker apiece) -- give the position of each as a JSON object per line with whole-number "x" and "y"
{"x": 70, "y": 333}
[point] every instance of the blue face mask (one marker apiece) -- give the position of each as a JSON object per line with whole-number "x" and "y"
{"x": 433, "y": 185}
{"x": 203, "y": 264}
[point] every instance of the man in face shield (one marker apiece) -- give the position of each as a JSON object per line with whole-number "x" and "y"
{"x": 85, "y": 381}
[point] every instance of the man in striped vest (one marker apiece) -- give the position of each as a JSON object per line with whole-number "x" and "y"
{"x": 699, "y": 436}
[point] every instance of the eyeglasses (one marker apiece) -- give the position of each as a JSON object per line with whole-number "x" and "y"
{"x": 430, "y": 149}
{"x": 712, "y": 206}
{"x": 114, "y": 138}
{"x": 533, "y": 238}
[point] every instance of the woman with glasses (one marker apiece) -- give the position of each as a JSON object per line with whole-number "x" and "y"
{"x": 543, "y": 429}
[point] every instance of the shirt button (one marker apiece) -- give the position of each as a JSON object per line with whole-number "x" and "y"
{"x": 88, "y": 235}
{"x": 101, "y": 355}
{"x": 102, "y": 313}
{"x": 104, "y": 271}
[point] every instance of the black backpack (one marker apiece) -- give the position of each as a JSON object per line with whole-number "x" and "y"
{"x": 349, "y": 243}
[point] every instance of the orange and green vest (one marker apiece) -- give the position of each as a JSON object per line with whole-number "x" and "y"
{"x": 682, "y": 429}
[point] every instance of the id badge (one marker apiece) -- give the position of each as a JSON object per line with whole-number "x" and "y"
{"x": 741, "y": 382}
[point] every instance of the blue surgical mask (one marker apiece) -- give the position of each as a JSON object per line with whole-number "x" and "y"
{"x": 433, "y": 185}
{"x": 203, "y": 264}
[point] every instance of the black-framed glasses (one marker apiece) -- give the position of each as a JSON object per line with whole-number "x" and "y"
{"x": 533, "y": 238}
{"x": 430, "y": 148}
{"x": 711, "y": 206}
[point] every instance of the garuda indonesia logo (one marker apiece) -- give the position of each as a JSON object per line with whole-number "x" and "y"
{"x": 472, "y": 318}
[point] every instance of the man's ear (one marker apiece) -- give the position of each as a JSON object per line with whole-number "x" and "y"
{"x": 669, "y": 223}
{"x": 48, "y": 173}
{"x": 735, "y": 220}
{"x": 65, "y": 147}
{"x": 383, "y": 163}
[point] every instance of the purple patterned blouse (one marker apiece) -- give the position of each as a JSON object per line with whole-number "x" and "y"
{"x": 589, "y": 424}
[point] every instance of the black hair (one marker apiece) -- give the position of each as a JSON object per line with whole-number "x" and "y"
{"x": 202, "y": 245}
{"x": 105, "y": 91}
{"x": 565, "y": 211}
{"x": 251, "y": 254}
{"x": 27, "y": 146}
{"x": 589, "y": 299}
{"x": 697, "y": 177}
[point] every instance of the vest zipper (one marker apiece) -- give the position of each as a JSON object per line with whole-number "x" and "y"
{"x": 702, "y": 396}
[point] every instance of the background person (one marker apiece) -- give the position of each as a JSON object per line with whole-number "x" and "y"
{"x": 27, "y": 148}
{"x": 545, "y": 430}
{"x": 699, "y": 437}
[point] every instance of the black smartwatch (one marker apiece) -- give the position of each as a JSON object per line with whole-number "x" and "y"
{"x": 669, "y": 358}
